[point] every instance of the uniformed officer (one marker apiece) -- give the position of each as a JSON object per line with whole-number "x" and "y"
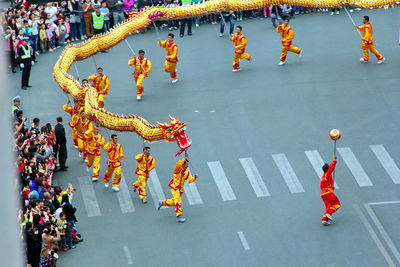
{"x": 26, "y": 59}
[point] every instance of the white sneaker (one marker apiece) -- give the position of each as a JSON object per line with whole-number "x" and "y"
{"x": 221, "y": 34}
{"x": 138, "y": 98}
{"x": 144, "y": 200}
{"x": 174, "y": 81}
{"x": 197, "y": 25}
{"x": 86, "y": 160}
{"x": 332, "y": 13}
{"x": 94, "y": 179}
{"x": 80, "y": 154}
{"x": 281, "y": 63}
{"x": 115, "y": 188}
{"x": 337, "y": 12}
{"x": 329, "y": 217}
{"x": 301, "y": 53}
{"x": 37, "y": 53}
{"x": 106, "y": 185}
{"x": 351, "y": 10}
{"x": 87, "y": 169}
{"x": 235, "y": 70}
{"x": 325, "y": 223}
{"x": 363, "y": 61}
{"x": 381, "y": 61}
{"x": 358, "y": 9}
{"x": 75, "y": 147}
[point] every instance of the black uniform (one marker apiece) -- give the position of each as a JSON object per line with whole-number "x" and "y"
{"x": 27, "y": 61}
{"x": 61, "y": 142}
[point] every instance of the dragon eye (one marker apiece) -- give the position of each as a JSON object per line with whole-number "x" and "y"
{"x": 169, "y": 128}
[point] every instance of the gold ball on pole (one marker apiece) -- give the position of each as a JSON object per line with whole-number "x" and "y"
{"x": 335, "y": 134}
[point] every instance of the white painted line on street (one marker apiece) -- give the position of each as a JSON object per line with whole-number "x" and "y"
{"x": 222, "y": 182}
{"x": 387, "y": 162}
{"x": 244, "y": 241}
{"x": 212, "y": 111}
{"x": 384, "y": 234}
{"x": 288, "y": 173}
{"x": 254, "y": 177}
{"x": 89, "y": 196}
{"x": 155, "y": 188}
{"x": 355, "y": 167}
{"x": 128, "y": 255}
{"x": 384, "y": 202}
{"x": 193, "y": 194}
{"x": 196, "y": 111}
{"x": 317, "y": 162}
{"x": 374, "y": 236}
{"x": 124, "y": 197}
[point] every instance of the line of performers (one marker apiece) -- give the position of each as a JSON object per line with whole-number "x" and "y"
{"x": 142, "y": 65}
{"x": 90, "y": 143}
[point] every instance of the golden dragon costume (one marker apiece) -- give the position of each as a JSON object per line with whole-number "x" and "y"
{"x": 174, "y": 130}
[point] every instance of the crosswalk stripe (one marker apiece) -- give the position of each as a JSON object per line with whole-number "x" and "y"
{"x": 387, "y": 162}
{"x": 355, "y": 167}
{"x": 155, "y": 188}
{"x": 124, "y": 197}
{"x": 89, "y": 196}
{"x": 288, "y": 173}
{"x": 192, "y": 194}
{"x": 254, "y": 177}
{"x": 317, "y": 162}
{"x": 222, "y": 182}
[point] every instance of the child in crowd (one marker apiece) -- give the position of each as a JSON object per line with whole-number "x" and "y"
{"x": 43, "y": 39}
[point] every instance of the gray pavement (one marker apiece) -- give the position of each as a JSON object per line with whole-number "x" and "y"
{"x": 263, "y": 113}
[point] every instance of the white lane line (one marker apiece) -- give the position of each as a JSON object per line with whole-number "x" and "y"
{"x": 89, "y": 196}
{"x": 254, "y": 177}
{"x": 387, "y": 162}
{"x": 355, "y": 167}
{"x": 155, "y": 188}
{"x": 244, "y": 241}
{"x": 384, "y": 202}
{"x": 288, "y": 173}
{"x": 374, "y": 236}
{"x": 382, "y": 231}
{"x": 317, "y": 162}
{"x": 128, "y": 255}
{"x": 124, "y": 197}
{"x": 192, "y": 194}
{"x": 222, "y": 182}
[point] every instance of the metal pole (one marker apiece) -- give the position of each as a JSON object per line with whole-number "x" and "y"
{"x": 352, "y": 21}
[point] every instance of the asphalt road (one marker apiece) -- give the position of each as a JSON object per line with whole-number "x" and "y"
{"x": 263, "y": 129}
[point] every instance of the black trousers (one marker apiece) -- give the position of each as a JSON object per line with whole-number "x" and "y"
{"x": 98, "y": 31}
{"x": 183, "y": 23}
{"x": 62, "y": 156}
{"x": 26, "y": 73}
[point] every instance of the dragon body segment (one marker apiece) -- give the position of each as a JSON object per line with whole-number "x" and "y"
{"x": 174, "y": 130}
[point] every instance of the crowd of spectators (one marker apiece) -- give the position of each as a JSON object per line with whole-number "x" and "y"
{"x": 46, "y": 217}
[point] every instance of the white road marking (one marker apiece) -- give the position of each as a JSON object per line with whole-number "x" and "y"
{"x": 128, "y": 255}
{"x": 124, "y": 197}
{"x": 355, "y": 167}
{"x": 384, "y": 202}
{"x": 384, "y": 234}
{"x": 244, "y": 241}
{"x": 288, "y": 174}
{"x": 89, "y": 196}
{"x": 193, "y": 194}
{"x": 387, "y": 162}
{"x": 222, "y": 182}
{"x": 254, "y": 177}
{"x": 196, "y": 111}
{"x": 212, "y": 111}
{"x": 155, "y": 188}
{"x": 374, "y": 236}
{"x": 317, "y": 162}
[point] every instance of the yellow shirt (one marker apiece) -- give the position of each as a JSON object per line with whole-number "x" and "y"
{"x": 172, "y": 50}
{"x": 102, "y": 84}
{"x": 180, "y": 176}
{"x": 145, "y": 164}
{"x": 366, "y": 32}
{"x": 115, "y": 154}
{"x": 240, "y": 43}
{"x": 287, "y": 34}
{"x": 142, "y": 65}
{"x": 93, "y": 142}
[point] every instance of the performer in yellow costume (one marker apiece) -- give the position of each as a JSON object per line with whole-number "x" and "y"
{"x": 240, "y": 43}
{"x": 146, "y": 164}
{"x": 172, "y": 56}
{"x": 142, "y": 68}
{"x": 101, "y": 82}
{"x": 115, "y": 154}
{"x": 287, "y": 38}
{"x": 71, "y": 111}
{"x": 367, "y": 41}
{"x": 94, "y": 141}
{"x": 177, "y": 183}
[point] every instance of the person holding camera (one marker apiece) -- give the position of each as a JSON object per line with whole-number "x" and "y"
{"x": 50, "y": 238}
{"x": 69, "y": 212}
{"x": 88, "y": 8}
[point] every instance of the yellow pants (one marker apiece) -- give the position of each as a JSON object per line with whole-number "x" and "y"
{"x": 100, "y": 99}
{"x": 74, "y": 137}
{"x": 141, "y": 184}
{"x": 139, "y": 84}
{"x": 237, "y": 58}
{"x": 81, "y": 145}
{"x": 171, "y": 68}
{"x": 117, "y": 179}
{"x": 288, "y": 48}
{"x": 176, "y": 201}
{"x": 94, "y": 161}
{"x": 370, "y": 47}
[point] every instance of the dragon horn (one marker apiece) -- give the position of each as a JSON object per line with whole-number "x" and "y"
{"x": 173, "y": 120}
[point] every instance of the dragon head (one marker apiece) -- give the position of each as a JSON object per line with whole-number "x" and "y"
{"x": 175, "y": 131}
